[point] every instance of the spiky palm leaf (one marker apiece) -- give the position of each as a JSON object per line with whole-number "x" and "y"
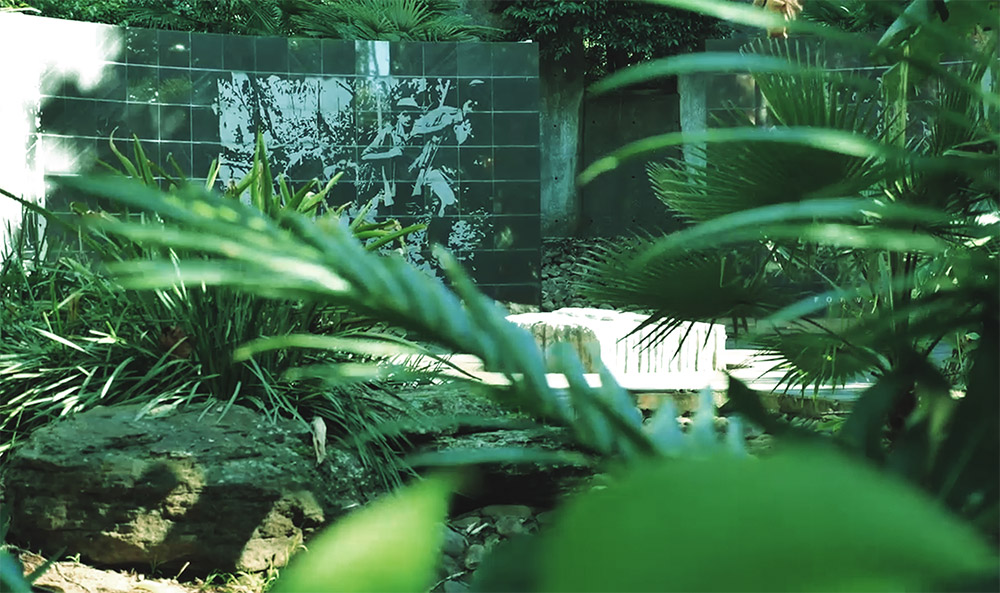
{"x": 717, "y": 284}
{"x": 814, "y": 358}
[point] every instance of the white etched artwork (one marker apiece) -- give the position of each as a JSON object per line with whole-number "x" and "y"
{"x": 386, "y": 133}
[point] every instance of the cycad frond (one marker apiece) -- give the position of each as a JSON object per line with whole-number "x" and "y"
{"x": 296, "y": 258}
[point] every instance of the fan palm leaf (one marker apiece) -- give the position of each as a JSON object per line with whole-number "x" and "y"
{"x": 817, "y": 357}
{"x": 727, "y": 178}
{"x": 390, "y": 20}
{"x": 715, "y": 286}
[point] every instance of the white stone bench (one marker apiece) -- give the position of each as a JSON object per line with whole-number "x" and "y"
{"x": 598, "y": 334}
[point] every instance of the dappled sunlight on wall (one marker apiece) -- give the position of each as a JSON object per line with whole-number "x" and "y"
{"x": 40, "y": 56}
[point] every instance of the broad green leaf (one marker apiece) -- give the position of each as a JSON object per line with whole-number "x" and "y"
{"x": 391, "y": 545}
{"x": 808, "y": 519}
{"x": 12, "y": 575}
{"x": 745, "y": 14}
{"x": 834, "y": 141}
{"x": 715, "y": 62}
{"x": 744, "y": 226}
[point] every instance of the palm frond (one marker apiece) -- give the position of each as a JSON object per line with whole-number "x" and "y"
{"x": 726, "y": 178}
{"x": 814, "y": 358}
{"x": 296, "y": 257}
{"x": 710, "y": 284}
{"x": 389, "y": 20}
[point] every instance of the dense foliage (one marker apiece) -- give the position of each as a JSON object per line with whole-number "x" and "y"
{"x": 853, "y": 15}
{"x": 608, "y": 34}
{"x": 418, "y": 20}
{"x": 858, "y": 511}
{"x": 71, "y": 339}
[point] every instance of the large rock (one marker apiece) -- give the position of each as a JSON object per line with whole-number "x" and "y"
{"x": 237, "y": 492}
{"x": 451, "y": 417}
{"x": 607, "y": 336}
{"x": 222, "y": 492}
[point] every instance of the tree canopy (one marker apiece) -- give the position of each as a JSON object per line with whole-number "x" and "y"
{"x": 612, "y": 34}
{"x": 392, "y": 20}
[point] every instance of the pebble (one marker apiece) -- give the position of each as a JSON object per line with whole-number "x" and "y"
{"x": 509, "y": 510}
{"x": 509, "y": 525}
{"x": 455, "y": 587}
{"x": 454, "y": 543}
{"x": 474, "y": 555}
{"x": 450, "y": 566}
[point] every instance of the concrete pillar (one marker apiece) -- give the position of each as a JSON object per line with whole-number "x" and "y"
{"x": 693, "y": 112}
{"x": 562, "y": 87}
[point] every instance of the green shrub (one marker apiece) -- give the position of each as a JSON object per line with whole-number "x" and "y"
{"x": 72, "y": 339}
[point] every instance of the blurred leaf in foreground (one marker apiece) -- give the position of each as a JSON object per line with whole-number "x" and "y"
{"x": 804, "y": 520}
{"x": 393, "y": 544}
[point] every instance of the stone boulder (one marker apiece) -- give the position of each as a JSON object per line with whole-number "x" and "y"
{"x": 237, "y": 492}
{"x": 598, "y": 334}
{"x": 456, "y": 416}
{"x": 231, "y": 492}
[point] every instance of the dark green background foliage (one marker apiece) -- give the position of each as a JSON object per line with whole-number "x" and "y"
{"x": 215, "y": 16}
{"x": 612, "y": 34}
{"x": 422, "y": 20}
{"x": 853, "y": 15}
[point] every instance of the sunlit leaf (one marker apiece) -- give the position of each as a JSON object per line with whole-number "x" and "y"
{"x": 390, "y": 545}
